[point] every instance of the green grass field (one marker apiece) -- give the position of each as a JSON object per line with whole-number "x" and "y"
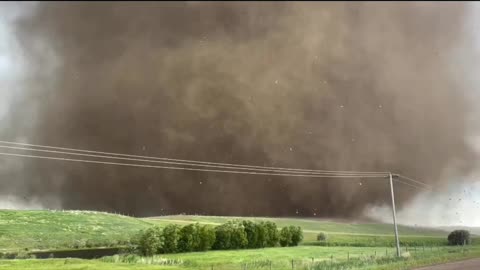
{"x": 56, "y": 229}
{"x": 50, "y": 230}
{"x": 303, "y": 257}
{"x": 43, "y": 230}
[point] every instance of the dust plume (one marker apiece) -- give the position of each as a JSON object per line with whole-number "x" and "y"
{"x": 337, "y": 86}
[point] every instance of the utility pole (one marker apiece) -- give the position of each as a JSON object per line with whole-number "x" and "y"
{"x": 394, "y": 216}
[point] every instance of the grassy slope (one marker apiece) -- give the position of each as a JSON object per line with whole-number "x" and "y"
{"x": 57, "y": 229}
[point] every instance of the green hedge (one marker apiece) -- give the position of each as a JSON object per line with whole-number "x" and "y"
{"x": 230, "y": 235}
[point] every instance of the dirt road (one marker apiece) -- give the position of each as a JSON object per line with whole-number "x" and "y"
{"x": 473, "y": 264}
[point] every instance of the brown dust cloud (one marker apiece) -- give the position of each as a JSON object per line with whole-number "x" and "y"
{"x": 326, "y": 85}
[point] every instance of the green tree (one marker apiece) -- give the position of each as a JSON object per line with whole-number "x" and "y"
{"x": 296, "y": 235}
{"x": 261, "y": 235}
{"x": 251, "y": 232}
{"x": 150, "y": 241}
{"x": 322, "y": 236}
{"x": 271, "y": 234}
{"x": 186, "y": 238}
{"x": 206, "y": 235}
{"x": 223, "y": 234}
{"x": 170, "y": 238}
{"x": 230, "y": 235}
{"x": 459, "y": 237}
{"x": 285, "y": 237}
{"x": 239, "y": 236}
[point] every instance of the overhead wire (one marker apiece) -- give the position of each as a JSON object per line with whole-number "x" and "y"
{"x": 190, "y": 169}
{"x": 183, "y": 163}
{"x": 232, "y": 168}
{"x": 413, "y": 180}
{"x": 185, "y": 160}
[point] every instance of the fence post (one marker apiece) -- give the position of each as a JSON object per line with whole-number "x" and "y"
{"x": 270, "y": 265}
{"x": 293, "y": 267}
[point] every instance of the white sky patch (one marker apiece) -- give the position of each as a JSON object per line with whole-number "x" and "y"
{"x": 456, "y": 205}
{"x": 11, "y": 59}
{"x": 16, "y": 203}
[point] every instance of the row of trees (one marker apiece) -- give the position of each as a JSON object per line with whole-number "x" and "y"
{"x": 230, "y": 235}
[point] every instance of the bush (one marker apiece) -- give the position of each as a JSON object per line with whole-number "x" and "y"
{"x": 206, "y": 238}
{"x": 150, "y": 241}
{"x": 239, "y": 237}
{"x": 230, "y": 235}
{"x": 285, "y": 237}
{"x": 296, "y": 235}
{"x": 322, "y": 237}
{"x": 170, "y": 238}
{"x": 223, "y": 236}
{"x": 291, "y": 236}
{"x": 256, "y": 234}
{"x": 185, "y": 239}
{"x": 271, "y": 234}
{"x": 459, "y": 237}
{"x": 194, "y": 237}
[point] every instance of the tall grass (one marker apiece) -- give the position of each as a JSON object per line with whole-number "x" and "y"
{"x": 135, "y": 259}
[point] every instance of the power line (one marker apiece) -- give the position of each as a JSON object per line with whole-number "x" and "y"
{"x": 279, "y": 170}
{"x": 181, "y": 163}
{"x": 408, "y": 184}
{"x": 191, "y": 169}
{"x": 413, "y": 180}
{"x": 189, "y": 161}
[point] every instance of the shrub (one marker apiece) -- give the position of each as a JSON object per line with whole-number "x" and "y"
{"x": 239, "y": 237}
{"x": 170, "y": 238}
{"x": 150, "y": 241}
{"x": 291, "y": 236}
{"x": 296, "y": 235}
{"x": 185, "y": 239}
{"x": 230, "y": 235}
{"x": 322, "y": 237}
{"x": 285, "y": 237}
{"x": 223, "y": 237}
{"x": 206, "y": 238}
{"x": 271, "y": 234}
{"x": 252, "y": 232}
{"x": 459, "y": 237}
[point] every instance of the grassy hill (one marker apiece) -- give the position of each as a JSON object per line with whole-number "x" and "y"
{"x": 41, "y": 230}
{"x": 64, "y": 229}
